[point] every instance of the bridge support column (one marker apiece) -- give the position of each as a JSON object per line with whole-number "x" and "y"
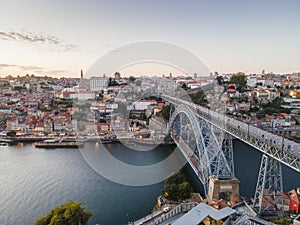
{"x": 227, "y": 189}
{"x": 268, "y": 199}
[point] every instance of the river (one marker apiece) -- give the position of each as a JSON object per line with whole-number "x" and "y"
{"x": 32, "y": 181}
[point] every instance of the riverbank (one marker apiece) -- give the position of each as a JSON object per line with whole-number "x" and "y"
{"x": 103, "y": 139}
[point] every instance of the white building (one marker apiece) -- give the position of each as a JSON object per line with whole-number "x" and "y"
{"x": 98, "y": 83}
{"x": 83, "y": 95}
{"x": 143, "y": 104}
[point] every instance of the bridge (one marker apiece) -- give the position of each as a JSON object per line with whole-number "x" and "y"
{"x": 205, "y": 139}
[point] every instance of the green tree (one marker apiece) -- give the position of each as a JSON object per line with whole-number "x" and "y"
{"x": 220, "y": 80}
{"x": 11, "y": 133}
{"x": 184, "y": 86}
{"x": 138, "y": 82}
{"x": 198, "y": 97}
{"x": 184, "y": 190}
{"x": 240, "y": 81}
{"x": 18, "y": 88}
{"x": 71, "y": 213}
{"x": 165, "y": 112}
{"x": 177, "y": 188}
{"x": 131, "y": 79}
{"x": 283, "y": 221}
{"x": 112, "y": 82}
{"x": 100, "y": 97}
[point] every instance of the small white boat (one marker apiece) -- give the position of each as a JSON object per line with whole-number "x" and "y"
{"x": 52, "y": 140}
{"x": 3, "y": 144}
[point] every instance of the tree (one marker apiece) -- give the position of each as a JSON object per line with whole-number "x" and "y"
{"x": 138, "y": 82}
{"x": 100, "y": 97}
{"x": 283, "y": 221}
{"x": 184, "y": 86}
{"x": 198, "y": 97}
{"x": 18, "y": 88}
{"x": 112, "y": 82}
{"x": 184, "y": 190}
{"x": 71, "y": 213}
{"x": 11, "y": 133}
{"x": 220, "y": 80}
{"x": 177, "y": 188}
{"x": 131, "y": 79}
{"x": 166, "y": 112}
{"x": 240, "y": 81}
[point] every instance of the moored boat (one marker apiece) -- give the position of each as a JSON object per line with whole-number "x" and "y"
{"x": 60, "y": 144}
{"x": 3, "y": 144}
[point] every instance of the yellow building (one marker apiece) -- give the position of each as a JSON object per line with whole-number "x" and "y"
{"x": 294, "y": 93}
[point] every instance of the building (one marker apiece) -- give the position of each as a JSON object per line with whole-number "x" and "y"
{"x": 80, "y": 95}
{"x": 295, "y": 200}
{"x": 294, "y": 93}
{"x": 98, "y": 83}
{"x": 205, "y": 214}
{"x": 143, "y": 104}
{"x": 83, "y": 95}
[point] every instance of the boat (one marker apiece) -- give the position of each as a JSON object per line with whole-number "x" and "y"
{"x": 3, "y": 144}
{"x": 58, "y": 143}
{"x": 105, "y": 141}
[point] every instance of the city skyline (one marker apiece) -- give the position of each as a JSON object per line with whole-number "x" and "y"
{"x": 60, "y": 38}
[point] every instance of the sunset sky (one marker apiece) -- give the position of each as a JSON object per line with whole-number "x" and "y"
{"x": 59, "y": 38}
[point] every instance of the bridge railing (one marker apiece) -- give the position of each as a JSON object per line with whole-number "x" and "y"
{"x": 253, "y": 136}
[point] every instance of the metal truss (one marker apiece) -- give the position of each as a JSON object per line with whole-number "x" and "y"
{"x": 203, "y": 146}
{"x": 278, "y": 152}
{"x": 269, "y": 194}
{"x": 268, "y": 198}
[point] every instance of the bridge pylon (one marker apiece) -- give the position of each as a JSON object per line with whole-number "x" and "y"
{"x": 268, "y": 198}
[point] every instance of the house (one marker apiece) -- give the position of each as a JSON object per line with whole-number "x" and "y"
{"x": 194, "y": 84}
{"x": 143, "y": 104}
{"x": 294, "y": 93}
{"x": 115, "y": 89}
{"x": 119, "y": 124}
{"x": 295, "y": 200}
{"x": 103, "y": 127}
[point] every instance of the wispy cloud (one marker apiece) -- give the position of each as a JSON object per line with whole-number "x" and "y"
{"x": 31, "y": 69}
{"x": 27, "y": 68}
{"x": 38, "y": 38}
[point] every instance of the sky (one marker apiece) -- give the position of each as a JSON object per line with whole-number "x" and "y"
{"x": 59, "y": 38}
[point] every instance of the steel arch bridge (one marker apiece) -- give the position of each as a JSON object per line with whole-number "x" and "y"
{"x": 205, "y": 139}
{"x": 207, "y": 148}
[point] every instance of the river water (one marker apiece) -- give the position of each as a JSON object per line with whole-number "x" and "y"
{"x": 32, "y": 181}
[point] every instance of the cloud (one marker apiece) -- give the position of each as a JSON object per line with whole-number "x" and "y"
{"x": 31, "y": 69}
{"x": 3, "y": 65}
{"x": 38, "y": 38}
{"x": 57, "y": 71}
